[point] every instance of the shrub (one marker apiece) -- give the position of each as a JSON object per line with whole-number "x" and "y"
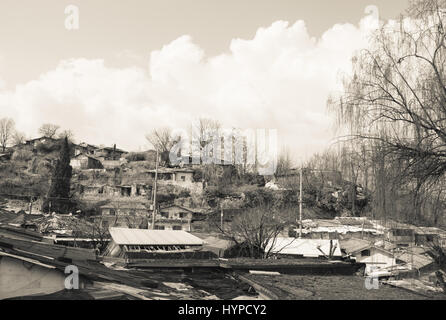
{"x": 47, "y": 147}
{"x": 198, "y": 176}
{"x": 22, "y": 155}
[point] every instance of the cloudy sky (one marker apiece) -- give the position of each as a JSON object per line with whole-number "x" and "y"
{"x": 140, "y": 64}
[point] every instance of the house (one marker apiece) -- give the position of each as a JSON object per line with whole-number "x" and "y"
{"x": 36, "y": 270}
{"x": 373, "y": 256}
{"x": 306, "y": 248}
{"x": 127, "y": 243}
{"x": 174, "y": 176}
{"x": 21, "y": 276}
{"x": 426, "y": 239}
{"x": 402, "y": 237}
{"x": 174, "y": 217}
{"x": 123, "y": 208}
{"x": 421, "y": 262}
{"x": 84, "y": 148}
{"x": 34, "y": 142}
{"x": 338, "y": 228}
{"x": 135, "y": 190}
{"x": 84, "y": 161}
{"x": 127, "y": 214}
{"x": 107, "y": 153}
{"x": 178, "y": 177}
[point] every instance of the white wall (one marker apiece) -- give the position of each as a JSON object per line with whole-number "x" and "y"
{"x": 19, "y": 278}
{"x": 377, "y": 259}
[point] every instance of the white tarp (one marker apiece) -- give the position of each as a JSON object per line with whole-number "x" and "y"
{"x": 304, "y": 247}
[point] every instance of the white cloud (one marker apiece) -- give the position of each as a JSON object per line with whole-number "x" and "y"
{"x": 279, "y": 79}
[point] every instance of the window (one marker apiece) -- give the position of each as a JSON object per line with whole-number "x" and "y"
{"x": 182, "y": 215}
{"x": 164, "y": 214}
{"x": 159, "y": 227}
{"x": 183, "y": 178}
{"x": 177, "y": 228}
{"x": 112, "y": 212}
{"x": 365, "y": 253}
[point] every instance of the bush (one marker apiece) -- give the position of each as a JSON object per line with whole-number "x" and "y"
{"x": 136, "y": 156}
{"x": 47, "y": 147}
{"x": 198, "y": 176}
{"x": 22, "y": 155}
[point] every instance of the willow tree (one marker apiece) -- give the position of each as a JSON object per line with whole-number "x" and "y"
{"x": 396, "y": 96}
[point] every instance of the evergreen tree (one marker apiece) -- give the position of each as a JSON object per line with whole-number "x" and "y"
{"x": 59, "y": 192}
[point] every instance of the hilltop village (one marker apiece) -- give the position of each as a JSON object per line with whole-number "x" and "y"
{"x": 201, "y": 216}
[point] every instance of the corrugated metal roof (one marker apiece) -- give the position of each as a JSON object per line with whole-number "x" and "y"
{"x": 417, "y": 260}
{"x": 305, "y": 247}
{"x": 125, "y": 236}
{"x": 354, "y": 245}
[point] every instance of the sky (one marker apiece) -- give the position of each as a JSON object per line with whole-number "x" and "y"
{"x": 137, "y": 65}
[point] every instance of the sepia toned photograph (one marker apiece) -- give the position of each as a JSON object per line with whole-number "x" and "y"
{"x": 221, "y": 155}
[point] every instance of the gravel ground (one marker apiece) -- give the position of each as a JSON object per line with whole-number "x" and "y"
{"x": 295, "y": 287}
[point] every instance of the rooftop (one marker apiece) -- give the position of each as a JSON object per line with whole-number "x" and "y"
{"x": 305, "y": 247}
{"x": 125, "y": 236}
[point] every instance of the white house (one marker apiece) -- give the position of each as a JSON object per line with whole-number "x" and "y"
{"x": 376, "y": 258}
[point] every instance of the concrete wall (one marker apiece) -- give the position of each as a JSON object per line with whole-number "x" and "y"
{"x": 174, "y": 213}
{"x": 19, "y": 278}
{"x": 188, "y": 176}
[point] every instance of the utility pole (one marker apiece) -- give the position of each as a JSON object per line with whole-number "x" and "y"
{"x": 300, "y": 203}
{"x": 221, "y": 217}
{"x": 30, "y": 205}
{"x": 154, "y": 192}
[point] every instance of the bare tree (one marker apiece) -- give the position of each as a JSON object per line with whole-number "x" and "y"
{"x": 395, "y": 100}
{"x": 255, "y": 229}
{"x": 284, "y": 163}
{"x": 66, "y": 134}
{"x": 207, "y": 132}
{"x": 163, "y": 140}
{"x": 396, "y": 96}
{"x": 6, "y": 132}
{"x": 49, "y": 130}
{"x": 19, "y": 138}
